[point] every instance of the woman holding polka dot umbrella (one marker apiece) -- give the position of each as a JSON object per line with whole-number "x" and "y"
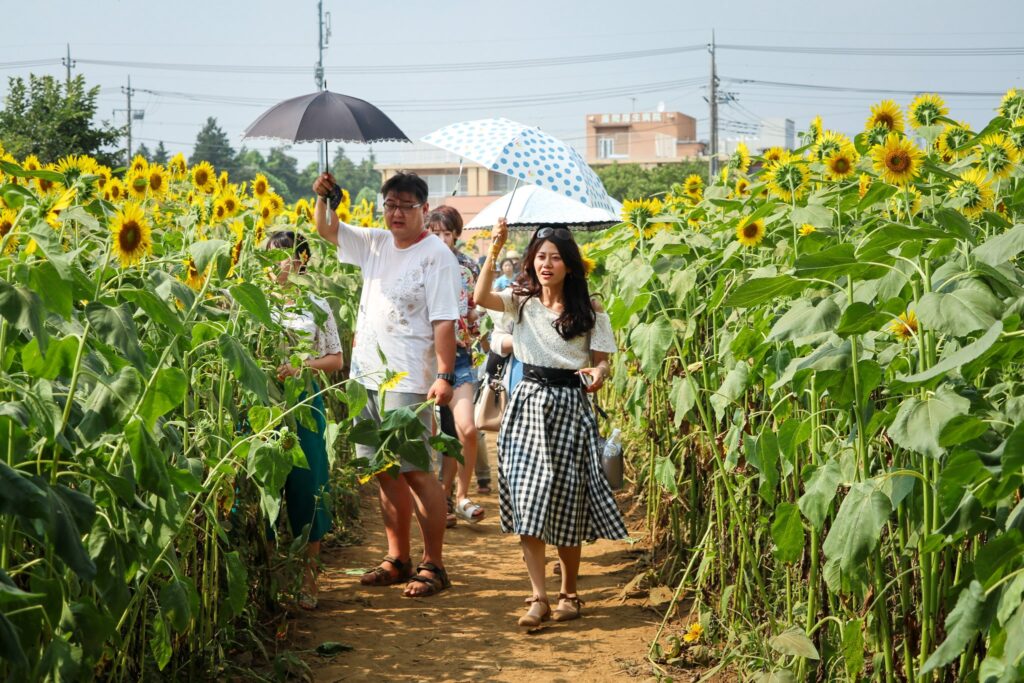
{"x": 527, "y": 154}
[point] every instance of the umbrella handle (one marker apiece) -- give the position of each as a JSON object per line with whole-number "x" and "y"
{"x": 511, "y": 196}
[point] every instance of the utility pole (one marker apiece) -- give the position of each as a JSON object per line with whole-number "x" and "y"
{"x": 713, "y": 101}
{"x": 128, "y": 91}
{"x": 323, "y": 36}
{"x": 68, "y": 64}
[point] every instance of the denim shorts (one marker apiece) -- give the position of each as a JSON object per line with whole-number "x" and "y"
{"x": 463, "y": 367}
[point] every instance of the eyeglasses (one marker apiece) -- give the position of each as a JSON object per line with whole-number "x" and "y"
{"x": 557, "y": 233}
{"x": 391, "y": 207}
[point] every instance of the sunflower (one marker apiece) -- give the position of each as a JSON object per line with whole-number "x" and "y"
{"x": 815, "y": 129}
{"x": 974, "y": 191}
{"x": 203, "y": 177}
{"x": 740, "y": 159}
{"x": 863, "y": 183}
{"x": 276, "y": 202}
{"x": 828, "y": 142}
{"x": 302, "y": 210}
{"x": 114, "y": 190}
{"x": 222, "y": 180}
{"x": 876, "y": 136}
{"x": 266, "y": 212}
{"x": 952, "y": 139}
{"x": 220, "y": 210}
{"x": 156, "y": 177}
{"x": 74, "y": 167}
{"x": 589, "y": 265}
{"x": 1016, "y": 135}
{"x": 31, "y": 163}
{"x": 192, "y": 277}
{"x": 52, "y": 206}
{"x": 260, "y": 186}
{"x": 7, "y": 218}
{"x": 750, "y": 233}
{"x": 742, "y": 188}
{"x": 788, "y": 177}
{"x": 103, "y": 175}
{"x": 773, "y": 154}
{"x": 1012, "y": 106}
{"x": 131, "y": 238}
{"x": 177, "y": 166}
{"x": 45, "y": 185}
{"x": 138, "y": 164}
{"x": 842, "y": 163}
{"x": 137, "y": 184}
{"x": 806, "y": 229}
{"x": 639, "y": 212}
{"x": 898, "y": 161}
{"x": 926, "y": 109}
{"x": 231, "y": 203}
{"x": 693, "y": 633}
{"x": 998, "y": 155}
{"x": 345, "y": 214}
{"x": 886, "y": 113}
{"x": 238, "y": 230}
{"x": 906, "y": 196}
{"x": 693, "y": 186}
{"x": 905, "y": 326}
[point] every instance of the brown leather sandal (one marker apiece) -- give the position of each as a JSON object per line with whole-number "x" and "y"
{"x": 567, "y": 613}
{"x": 435, "y": 584}
{"x": 379, "y": 576}
{"x": 529, "y": 620}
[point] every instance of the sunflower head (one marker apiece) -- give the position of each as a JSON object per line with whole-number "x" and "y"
{"x": 886, "y": 113}
{"x": 138, "y": 164}
{"x": 898, "y": 161}
{"x": 156, "y": 177}
{"x": 773, "y": 154}
{"x": 742, "y": 188}
{"x": 639, "y": 212}
{"x": 905, "y": 326}
{"x": 137, "y": 184}
{"x": 31, "y": 163}
{"x": 1012, "y": 106}
{"x": 806, "y": 229}
{"x": 926, "y": 109}
{"x": 740, "y": 159}
{"x": 192, "y": 277}
{"x": 1016, "y": 136}
{"x": 222, "y": 180}
{"x": 45, "y": 185}
{"x": 693, "y": 633}
{"x": 276, "y": 202}
{"x": 177, "y": 166}
{"x": 863, "y": 183}
{"x": 260, "y": 186}
{"x": 7, "y": 218}
{"x": 693, "y": 186}
{"x": 973, "y": 192}
{"x": 841, "y": 163}
{"x": 908, "y": 196}
{"x": 103, "y": 175}
{"x": 828, "y": 142}
{"x": 589, "y": 265}
{"x": 220, "y": 210}
{"x": 114, "y": 190}
{"x": 74, "y": 167}
{"x": 130, "y": 234}
{"x": 952, "y": 138}
{"x": 302, "y": 210}
{"x": 750, "y": 233}
{"x": 998, "y": 155}
{"x": 788, "y": 178}
{"x": 204, "y": 177}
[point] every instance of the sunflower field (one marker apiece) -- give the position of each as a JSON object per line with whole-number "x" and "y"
{"x": 823, "y": 394}
{"x": 144, "y": 437}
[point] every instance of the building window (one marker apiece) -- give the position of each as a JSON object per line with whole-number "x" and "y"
{"x": 442, "y": 184}
{"x": 664, "y": 146}
{"x": 499, "y": 183}
{"x": 606, "y": 147}
{"x": 613, "y": 146}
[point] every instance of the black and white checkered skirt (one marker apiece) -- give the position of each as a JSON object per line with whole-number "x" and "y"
{"x": 550, "y": 481}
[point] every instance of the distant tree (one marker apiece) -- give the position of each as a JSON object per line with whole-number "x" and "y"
{"x": 52, "y": 118}
{"x": 631, "y": 181}
{"x": 356, "y": 177}
{"x": 285, "y": 173}
{"x": 143, "y": 152}
{"x": 212, "y": 145}
{"x": 161, "y": 155}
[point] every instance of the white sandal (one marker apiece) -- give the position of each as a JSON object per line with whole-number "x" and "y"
{"x": 467, "y": 510}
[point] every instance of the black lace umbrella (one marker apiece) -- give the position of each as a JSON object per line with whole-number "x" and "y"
{"x": 325, "y": 117}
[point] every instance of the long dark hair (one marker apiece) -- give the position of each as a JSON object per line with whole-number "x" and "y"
{"x": 289, "y": 239}
{"x": 578, "y": 313}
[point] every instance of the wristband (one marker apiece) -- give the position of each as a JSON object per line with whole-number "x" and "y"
{"x": 447, "y": 377}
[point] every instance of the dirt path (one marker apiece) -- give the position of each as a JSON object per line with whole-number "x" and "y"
{"x": 469, "y": 632}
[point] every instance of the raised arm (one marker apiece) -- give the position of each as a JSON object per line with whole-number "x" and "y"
{"x": 326, "y": 220}
{"x": 483, "y": 293}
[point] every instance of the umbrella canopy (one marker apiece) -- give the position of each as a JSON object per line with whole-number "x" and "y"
{"x": 533, "y": 206}
{"x": 325, "y": 116}
{"x": 525, "y": 153}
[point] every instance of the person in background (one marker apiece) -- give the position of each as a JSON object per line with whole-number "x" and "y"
{"x": 305, "y": 490}
{"x": 446, "y": 223}
{"x": 507, "y": 277}
{"x": 408, "y": 311}
{"x": 550, "y": 482}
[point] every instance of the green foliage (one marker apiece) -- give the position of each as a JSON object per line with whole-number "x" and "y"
{"x": 52, "y": 118}
{"x": 626, "y": 181}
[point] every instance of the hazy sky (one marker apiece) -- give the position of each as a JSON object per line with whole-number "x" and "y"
{"x": 375, "y": 34}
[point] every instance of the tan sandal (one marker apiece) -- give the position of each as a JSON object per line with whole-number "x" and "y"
{"x": 379, "y": 576}
{"x": 531, "y": 620}
{"x": 572, "y": 611}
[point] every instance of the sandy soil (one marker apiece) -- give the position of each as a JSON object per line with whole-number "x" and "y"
{"x": 469, "y": 632}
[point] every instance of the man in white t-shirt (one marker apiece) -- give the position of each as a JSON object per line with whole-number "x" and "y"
{"x": 406, "y": 324}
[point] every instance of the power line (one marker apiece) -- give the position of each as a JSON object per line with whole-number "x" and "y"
{"x": 839, "y": 88}
{"x": 883, "y": 51}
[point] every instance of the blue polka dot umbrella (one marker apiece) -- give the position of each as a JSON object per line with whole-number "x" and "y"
{"x": 527, "y": 154}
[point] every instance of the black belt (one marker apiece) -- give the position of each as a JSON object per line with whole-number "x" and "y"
{"x": 552, "y": 377}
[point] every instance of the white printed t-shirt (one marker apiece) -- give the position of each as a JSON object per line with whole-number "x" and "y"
{"x": 404, "y": 291}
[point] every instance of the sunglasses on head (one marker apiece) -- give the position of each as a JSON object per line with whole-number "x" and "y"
{"x": 556, "y": 233}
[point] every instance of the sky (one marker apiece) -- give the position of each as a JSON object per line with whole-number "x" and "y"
{"x": 373, "y": 46}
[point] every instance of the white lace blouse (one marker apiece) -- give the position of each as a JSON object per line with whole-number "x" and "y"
{"x": 325, "y": 339}
{"x": 535, "y": 340}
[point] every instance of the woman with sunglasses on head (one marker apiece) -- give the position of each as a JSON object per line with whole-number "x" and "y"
{"x": 305, "y": 490}
{"x": 551, "y": 485}
{"x": 446, "y": 223}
